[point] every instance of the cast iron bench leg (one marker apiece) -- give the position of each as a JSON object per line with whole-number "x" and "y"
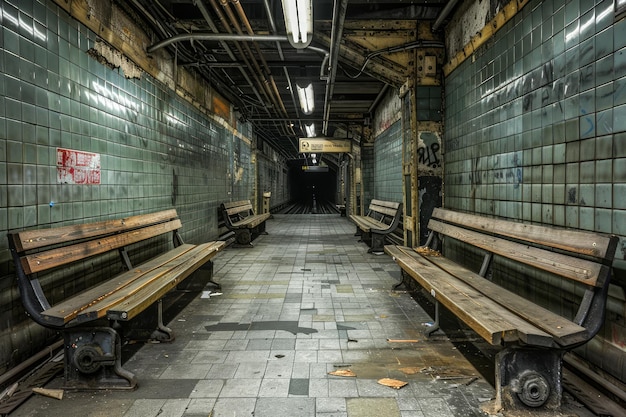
{"x": 528, "y": 378}
{"x": 93, "y": 360}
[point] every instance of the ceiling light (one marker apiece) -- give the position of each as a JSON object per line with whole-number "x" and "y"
{"x": 310, "y": 132}
{"x": 307, "y": 101}
{"x": 299, "y": 21}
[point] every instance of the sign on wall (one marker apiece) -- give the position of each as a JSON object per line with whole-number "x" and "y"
{"x": 324, "y": 145}
{"x": 77, "y": 167}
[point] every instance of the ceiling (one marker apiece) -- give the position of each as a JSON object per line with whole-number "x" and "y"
{"x": 359, "y": 51}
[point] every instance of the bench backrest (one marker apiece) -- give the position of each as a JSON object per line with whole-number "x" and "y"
{"x": 384, "y": 211}
{"x": 238, "y": 208}
{"x": 36, "y": 251}
{"x": 580, "y": 256}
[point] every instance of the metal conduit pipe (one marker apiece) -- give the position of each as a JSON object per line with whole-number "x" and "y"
{"x": 276, "y": 103}
{"x": 255, "y": 74}
{"x": 270, "y": 19}
{"x": 379, "y": 97}
{"x": 259, "y": 71}
{"x": 207, "y": 17}
{"x": 444, "y": 14}
{"x": 246, "y": 23}
{"x": 400, "y": 48}
{"x": 324, "y": 61}
{"x": 307, "y": 119}
{"x": 202, "y": 36}
{"x": 339, "y": 17}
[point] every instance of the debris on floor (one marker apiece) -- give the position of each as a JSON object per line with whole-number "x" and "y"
{"x": 392, "y": 383}
{"x": 52, "y": 393}
{"x": 343, "y": 372}
{"x": 402, "y": 340}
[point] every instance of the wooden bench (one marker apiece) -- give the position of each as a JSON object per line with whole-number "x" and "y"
{"x": 576, "y": 263}
{"x": 239, "y": 218}
{"x": 383, "y": 218}
{"x": 49, "y": 262}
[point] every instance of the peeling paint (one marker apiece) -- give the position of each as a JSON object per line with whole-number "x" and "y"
{"x": 114, "y": 59}
{"x": 466, "y": 23}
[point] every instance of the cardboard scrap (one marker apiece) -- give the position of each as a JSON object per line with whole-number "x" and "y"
{"x": 342, "y": 372}
{"x": 392, "y": 383}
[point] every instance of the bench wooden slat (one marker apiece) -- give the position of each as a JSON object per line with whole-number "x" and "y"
{"x": 34, "y": 239}
{"x": 577, "y": 269}
{"x": 177, "y": 270}
{"x": 42, "y": 261}
{"x": 252, "y": 221}
{"x": 576, "y": 241}
{"x": 563, "y": 330}
{"x": 490, "y": 320}
{"x": 67, "y": 310}
{"x": 236, "y": 207}
{"x": 384, "y": 210}
{"x": 239, "y": 209}
{"x": 382, "y": 203}
{"x": 367, "y": 223}
{"x": 239, "y": 203}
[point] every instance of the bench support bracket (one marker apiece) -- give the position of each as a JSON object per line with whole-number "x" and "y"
{"x": 377, "y": 243}
{"x": 93, "y": 360}
{"x": 528, "y": 379}
{"x": 435, "y": 326}
{"x": 243, "y": 237}
{"x": 162, "y": 333}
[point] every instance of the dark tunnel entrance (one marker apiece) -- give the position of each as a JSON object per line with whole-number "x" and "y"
{"x": 313, "y": 189}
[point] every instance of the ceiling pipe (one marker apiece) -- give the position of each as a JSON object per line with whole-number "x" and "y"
{"x": 339, "y": 17}
{"x": 249, "y": 59}
{"x": 444, "y": 14}
{"x": 324, "y": 61}
{"x": 207, "y": 17}
{"x": 262, "y": 73}
{"x": 270, "y": 19}
{"x": 399, "y": 48}
{"x": 379, "y": 97}
{"x": 306, "y": 120}
{"x": 290, "y": 86}
{"x": 202, "y": 36}
{"x": 236, "y": 38}
{"x": 246, "y": 23}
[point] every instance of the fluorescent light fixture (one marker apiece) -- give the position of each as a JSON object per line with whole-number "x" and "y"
{"x": 299, "y": 22}
{"x": 310, "y": 131}
{"x": 307, "y": 101}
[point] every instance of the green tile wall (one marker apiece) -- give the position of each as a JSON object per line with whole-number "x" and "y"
{"x": 535, "y": 131}
{"x": 388, "y": 166}
{"x": 157, "y": 151}
{"x": 382, "y": 166}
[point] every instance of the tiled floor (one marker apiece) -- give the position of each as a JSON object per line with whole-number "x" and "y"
{"x": 305, "y": 301}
